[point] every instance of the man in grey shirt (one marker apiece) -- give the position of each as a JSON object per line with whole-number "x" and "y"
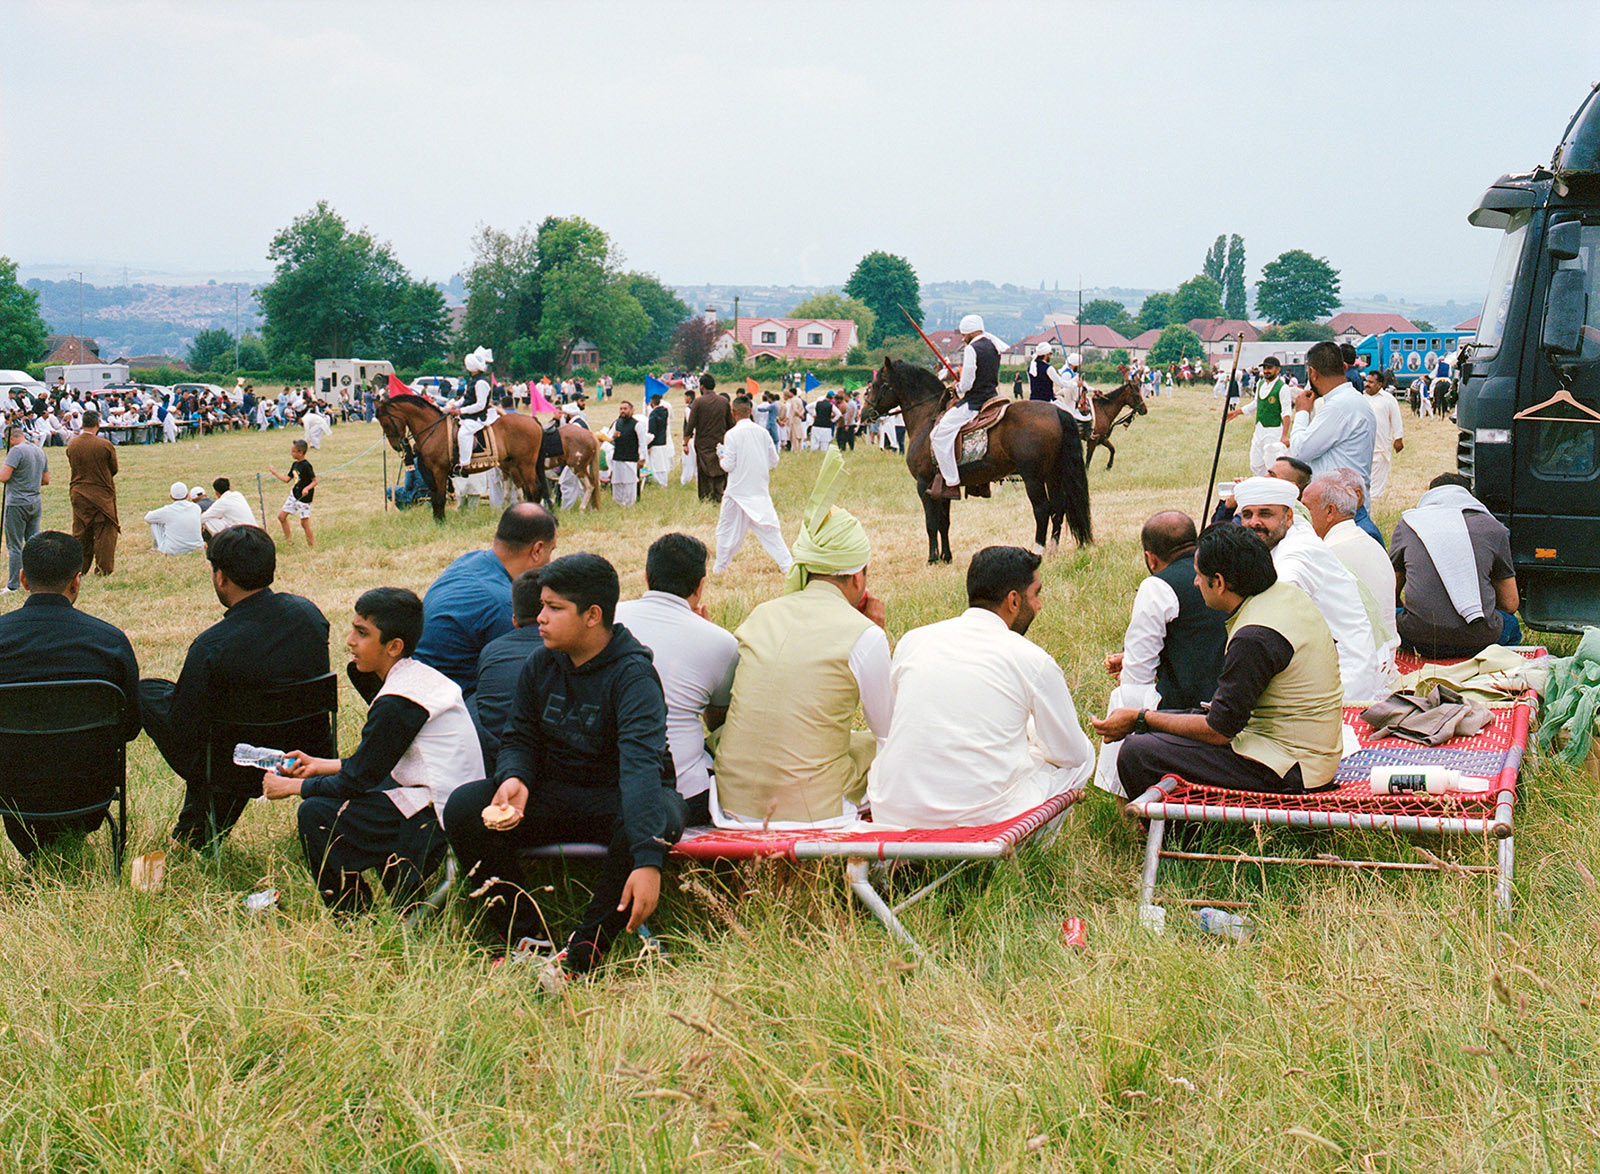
{"x": 24, "y": 472}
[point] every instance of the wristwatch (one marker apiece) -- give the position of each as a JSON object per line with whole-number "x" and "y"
{"x": 1140, "y": 726}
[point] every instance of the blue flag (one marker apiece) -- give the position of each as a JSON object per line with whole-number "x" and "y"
{"x": 812, "y": 382}
{"x": 653, "y": 387}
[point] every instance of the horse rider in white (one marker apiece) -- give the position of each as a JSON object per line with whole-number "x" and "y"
{"x": 979, "y": 382}
{"x": 473, "y": 409}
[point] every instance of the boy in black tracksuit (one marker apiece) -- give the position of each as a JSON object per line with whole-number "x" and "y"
{"x": 583, "y": 758}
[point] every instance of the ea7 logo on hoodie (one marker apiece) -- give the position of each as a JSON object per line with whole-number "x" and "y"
{"x": 576, "y": 725}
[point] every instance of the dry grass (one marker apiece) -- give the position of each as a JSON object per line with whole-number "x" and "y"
{"x": 1371, "y": 1025}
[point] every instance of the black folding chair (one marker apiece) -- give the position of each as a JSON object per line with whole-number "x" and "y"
{"x": 303, "y": 715}
{"x": 62, "y": 755}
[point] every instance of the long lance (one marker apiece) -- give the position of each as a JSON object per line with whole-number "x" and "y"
{"x": 1227, "y": 399}
{"x": 937, "y": 353}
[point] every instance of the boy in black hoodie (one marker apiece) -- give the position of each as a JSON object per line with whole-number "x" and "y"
{"x": 583, "y": 758}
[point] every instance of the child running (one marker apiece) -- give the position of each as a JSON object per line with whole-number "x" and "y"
{"x": 298, "y": 502}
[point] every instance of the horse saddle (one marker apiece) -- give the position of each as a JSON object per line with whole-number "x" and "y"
{"x": 972, "y": 442}
{"x": 550, "y": 442}
{"x": 485, "y": 451}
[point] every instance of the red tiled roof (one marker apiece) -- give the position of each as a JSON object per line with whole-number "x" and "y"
{"x": 72, "y": 349}
{"x": 1365, "y": 324}
{"x": 1143, "y": 342}
{"x": 1212, "y": 329}
{"x": 1096, "y": 335}
{"x": 789, "y": 329}
{"x": 1470, "y": 324}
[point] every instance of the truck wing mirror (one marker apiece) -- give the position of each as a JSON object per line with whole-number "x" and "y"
{"x": 1563, "y": 240}
{"x": 1565, "y": 311}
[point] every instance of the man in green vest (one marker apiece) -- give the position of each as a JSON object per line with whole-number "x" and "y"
{"x": 786, "y": 756}
{"x": 1271, "y": 437}
{"x": 1275, "y": 721}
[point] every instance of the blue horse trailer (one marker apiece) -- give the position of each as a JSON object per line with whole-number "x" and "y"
{"x": 1409, "y": 353}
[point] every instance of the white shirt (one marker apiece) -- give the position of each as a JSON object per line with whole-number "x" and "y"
{"x": 179, "y": 524}
{"x": 231, "y": 509}
{"x": 749, "y": 456}
{"x": 1305, "y": 560}
{"x": 695, "y": 660}
{"x": 1155, "y": 605}
{"x": 1369, "y": 562}
{"x": 1001, "y": 741}
{"x": 1386, "y": 411}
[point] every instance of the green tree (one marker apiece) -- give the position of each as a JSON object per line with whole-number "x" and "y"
{"x": 1422, "y": 324}
{"x": 253, "y": 355}
{"x": 1297, "y": 287}
{"x": 1215, "y": 263}
{"x": 22, "y": 330}
{"x": 502, "y": 295}
{"x": 666, "y": 311}
{"x": 1235, "y": 299}
{"x": 581, "y": 293}
{"x": 1199, "y": 297}
{"x": 416, "y": 326}
{"x": 886, "y": 283}
{"x": 1298, "y": 332}
{"x": 836, "y": 307}
{"x": 692, "y": 343}
{"x": 212, "y": 350}
{"x": 1177, "y": 342}
{"x": 1156, "y": 312}
{"x": 1112, "y": 313}
{"x": 334, "y": 292}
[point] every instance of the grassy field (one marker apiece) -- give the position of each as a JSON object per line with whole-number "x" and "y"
{"x": 1370, "y": 1025}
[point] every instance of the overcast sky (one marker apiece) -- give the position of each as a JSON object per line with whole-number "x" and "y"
{"x": 777, "y": 142}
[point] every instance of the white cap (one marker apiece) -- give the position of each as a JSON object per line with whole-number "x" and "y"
{"x": 195, "y": 492}
{"x": 1074, "y": 359}
{"x": 971, "y": 324}
{"x": 179, "y": 491}
{"x": 1266, "y": 491}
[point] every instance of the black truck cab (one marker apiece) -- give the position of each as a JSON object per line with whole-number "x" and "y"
{"x": 1529, "y": 410}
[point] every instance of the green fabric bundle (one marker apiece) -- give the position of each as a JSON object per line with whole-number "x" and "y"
{"x": 1571, "y": 694}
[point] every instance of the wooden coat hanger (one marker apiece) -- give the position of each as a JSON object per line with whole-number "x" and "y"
{"x": 1563, "y": 398}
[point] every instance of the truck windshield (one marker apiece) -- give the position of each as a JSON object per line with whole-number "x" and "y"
{"x": 1492, "y": 325}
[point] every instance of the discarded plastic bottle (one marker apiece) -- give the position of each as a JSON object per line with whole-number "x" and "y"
{"x": 1431, "y": 778}
{"x": 259, "y": 757}
{"x": 1223, "y": 923}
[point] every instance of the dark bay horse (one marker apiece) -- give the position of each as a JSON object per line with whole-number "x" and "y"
{"x": 411, "y": 423}
{"x": 1106, "y": 410}
{"x": 1035, "y": 441}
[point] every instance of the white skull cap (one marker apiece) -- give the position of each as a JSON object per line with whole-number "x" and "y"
{"x": 971, "y": 323}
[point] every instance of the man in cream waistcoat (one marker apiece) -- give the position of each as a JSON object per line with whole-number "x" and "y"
{"x": 380, "y": 808}
{"x": 786, "y": 756}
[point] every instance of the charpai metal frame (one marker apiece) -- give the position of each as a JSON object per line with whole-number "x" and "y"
{"x": 1451, "y": 816}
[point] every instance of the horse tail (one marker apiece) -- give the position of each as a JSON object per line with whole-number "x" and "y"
{"x": 1072, "y": 481}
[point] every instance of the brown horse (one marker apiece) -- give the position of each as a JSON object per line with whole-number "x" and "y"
{"x": 1106, "y": 410}
{"x": 415, "y": 427}
{"x": 1035, "y": 441}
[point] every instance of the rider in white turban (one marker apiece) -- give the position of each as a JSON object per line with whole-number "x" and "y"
{"x": 979, "y": 383}
{"x": 474, "y": 409}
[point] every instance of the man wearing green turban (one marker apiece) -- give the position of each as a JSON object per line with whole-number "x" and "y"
{"x": 787, "y": 756}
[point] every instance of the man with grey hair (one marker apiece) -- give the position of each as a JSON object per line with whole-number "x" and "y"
{"x": 23, "y": 472}
{"x": 1332, "y": 499}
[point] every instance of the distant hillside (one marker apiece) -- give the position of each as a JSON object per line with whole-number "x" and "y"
{"x": 145, "y": 319}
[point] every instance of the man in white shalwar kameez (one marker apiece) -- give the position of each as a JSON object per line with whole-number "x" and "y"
{"x": 317, "y": 426}
{"x": 983, "y": 726}
{"x": 749, "y": 456}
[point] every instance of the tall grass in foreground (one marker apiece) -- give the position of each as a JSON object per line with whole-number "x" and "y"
{"x": 1372, "y": 1024}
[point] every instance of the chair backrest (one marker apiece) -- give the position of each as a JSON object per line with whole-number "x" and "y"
{"x": 61, "y": 746}
{"x": 302, "y": 715}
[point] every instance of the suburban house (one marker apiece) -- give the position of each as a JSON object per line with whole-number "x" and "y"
{"x": 1088, "y": 337}
{"x": 1219, "y": 336}
{"x": 1353, "y": 328}
{"x": 585, "y": 356}
{"x": 69, "y": 349}
{"x": 817, "y": 340}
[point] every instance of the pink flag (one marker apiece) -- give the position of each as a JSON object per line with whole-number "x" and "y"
{"x": 537, "y": 402}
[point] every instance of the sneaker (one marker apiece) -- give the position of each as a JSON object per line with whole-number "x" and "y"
{"x": 554, "y": 977}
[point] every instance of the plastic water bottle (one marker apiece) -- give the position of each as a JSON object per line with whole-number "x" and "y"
{"x": 1430, "y": 779}
{"x": 260, "y": 758}
{"x": 1223, "y": 923}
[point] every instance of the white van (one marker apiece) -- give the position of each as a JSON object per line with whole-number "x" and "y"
{"x": 87, "y": 376}
{"x": 336, "y": 375}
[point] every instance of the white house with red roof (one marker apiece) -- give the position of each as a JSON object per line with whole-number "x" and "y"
{"x": 817, "y": 340}
{"x": 1088, "y": 337}
{"x": 1348, "y": 327}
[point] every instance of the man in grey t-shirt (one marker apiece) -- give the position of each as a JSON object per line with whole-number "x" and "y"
{"x": 1429, "y": 619}
{"x": 24, "y": 471}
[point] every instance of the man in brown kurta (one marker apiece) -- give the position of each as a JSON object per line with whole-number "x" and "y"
{"x": 93, "y": 460}
{"x": 708, "y": 421}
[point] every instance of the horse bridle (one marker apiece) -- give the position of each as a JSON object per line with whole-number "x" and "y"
{"x": 407, "y": 451}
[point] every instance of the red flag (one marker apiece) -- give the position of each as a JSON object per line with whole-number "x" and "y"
{"x": 398, "y": 388}
{"x": 751, "y": 386}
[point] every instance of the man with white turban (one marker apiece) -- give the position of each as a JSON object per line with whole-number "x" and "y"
{"x": 175, "y": 527}
{"x": 978, "y": 384}
{"x": 1266, "y": 508}
{"x": 473, "y": 408}
{"x": 787, "y": 756}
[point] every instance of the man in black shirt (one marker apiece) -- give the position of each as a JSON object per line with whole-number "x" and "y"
{"x": 500, "y": 667}
{"x": 625, "y": 457}
{"x": 49, "y": 639}
{"x": 264, "y": 639}
{"x": 583, "y": 758}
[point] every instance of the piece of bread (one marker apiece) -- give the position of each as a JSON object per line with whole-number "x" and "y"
{"x": 500, "y": 817}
